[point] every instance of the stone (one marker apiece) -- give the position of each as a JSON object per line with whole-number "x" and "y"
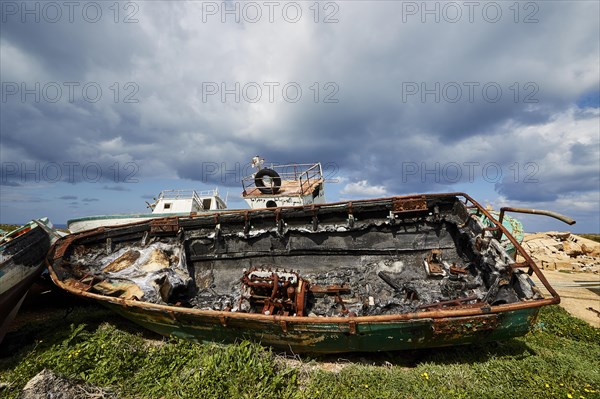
{"x": 572, "y": 248}
{"x": 559, "y": 235}
{"x": 533, "y": 237}
{"x": 47, "y": 384}
{"x": 564, "y": 265}
{"x": 593, "y": 251}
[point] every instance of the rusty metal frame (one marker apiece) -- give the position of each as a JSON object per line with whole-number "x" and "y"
{"x": 554, "y": 215}
{"x": 61, "y": 245}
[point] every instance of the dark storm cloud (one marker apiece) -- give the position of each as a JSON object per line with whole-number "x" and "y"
{"x": 403, "y": 92}
{"x": 544, "y": 187}
{"x": 116, "y": 188}
{"x": 68, "y": 197}
{"x": 71, "y": 47}
{"x": 4, "y": 182}
{"x": 585, "y": 154}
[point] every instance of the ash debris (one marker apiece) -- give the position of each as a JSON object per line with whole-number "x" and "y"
{"x": 447, "y": 263}
{"x": 379, "y": 287}
{"x": 156, "y": 272}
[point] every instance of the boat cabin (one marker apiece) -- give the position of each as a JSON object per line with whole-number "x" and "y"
{"x": 284, "y": 185}
{"x": 180, "y": 201}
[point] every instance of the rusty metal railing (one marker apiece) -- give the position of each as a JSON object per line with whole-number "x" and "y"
{"x": 304, "y": 174}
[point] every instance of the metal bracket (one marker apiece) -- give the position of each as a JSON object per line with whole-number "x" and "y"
{"x": 145, "y": 238}
{"x": 166, "y": 225}
{"x": 351, "y": 220}
{"x": 352, "y": 327}
{"x": 246, "y": 223}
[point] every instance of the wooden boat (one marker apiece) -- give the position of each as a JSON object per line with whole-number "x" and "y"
{"x": 372, "y": 275}
{"x": 22, "y": 254}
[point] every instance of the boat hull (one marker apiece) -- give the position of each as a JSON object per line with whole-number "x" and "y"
{"x": 335, "y": 337}
{"x": 23, "y": 262}
{"x": 94, "y": 222}
{"x": 369, "y": 267}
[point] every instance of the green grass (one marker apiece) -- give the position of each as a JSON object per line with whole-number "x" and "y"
{"x": 595, "y": 237}
{"x": 561, "y": 357}
{"x": 8, "y": 227}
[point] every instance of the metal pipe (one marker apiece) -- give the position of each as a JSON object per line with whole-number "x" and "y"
{"x": 554, "y": 215}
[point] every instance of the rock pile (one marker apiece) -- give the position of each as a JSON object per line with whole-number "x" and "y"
{"x": 563, "y": 251}
{"x": 47, "y": 384}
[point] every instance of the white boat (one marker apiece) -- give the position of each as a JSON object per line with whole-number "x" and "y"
{"x": 284, "y": 185}
{"x": 275, "y": 186}
{"x": 168, "y": 203}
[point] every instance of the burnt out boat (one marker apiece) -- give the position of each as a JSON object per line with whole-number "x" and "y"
{"x": 373, "y": 275}
{"x": 22, "y": 254}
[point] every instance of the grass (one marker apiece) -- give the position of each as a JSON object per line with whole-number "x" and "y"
{"x": 559, "y": 359}
{"x": 8, "y": 227}
{"x": 594, "y": 237}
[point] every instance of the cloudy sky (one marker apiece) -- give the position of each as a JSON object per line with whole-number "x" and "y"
{"x": 105, "y": 104}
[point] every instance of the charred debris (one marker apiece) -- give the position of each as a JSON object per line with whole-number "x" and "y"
{"x": 378, "y": 257}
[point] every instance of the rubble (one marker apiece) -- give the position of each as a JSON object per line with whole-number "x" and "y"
{"x": 47, "y": 384}
{"x": 563, "y": 251}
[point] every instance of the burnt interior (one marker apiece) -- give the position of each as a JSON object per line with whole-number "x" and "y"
{"x": 373, "y": 258}
{"x": 27, "y": 249}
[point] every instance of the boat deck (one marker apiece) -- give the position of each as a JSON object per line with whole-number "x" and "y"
{"x": 288, "y": 188}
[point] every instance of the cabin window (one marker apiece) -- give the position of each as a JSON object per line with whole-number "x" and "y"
{"x": 167, "y": 205}
{"x": 206, "y": 203}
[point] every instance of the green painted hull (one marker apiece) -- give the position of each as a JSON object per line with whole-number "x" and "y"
{"x": 373, "y": 336}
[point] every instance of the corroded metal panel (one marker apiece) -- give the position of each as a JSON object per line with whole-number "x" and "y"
{"x": 400, "y": 205}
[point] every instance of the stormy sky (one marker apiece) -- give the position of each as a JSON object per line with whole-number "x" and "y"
{"x": 105, "y": 104}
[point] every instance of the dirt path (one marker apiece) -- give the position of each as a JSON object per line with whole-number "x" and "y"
{"x": 578, "y": 292}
